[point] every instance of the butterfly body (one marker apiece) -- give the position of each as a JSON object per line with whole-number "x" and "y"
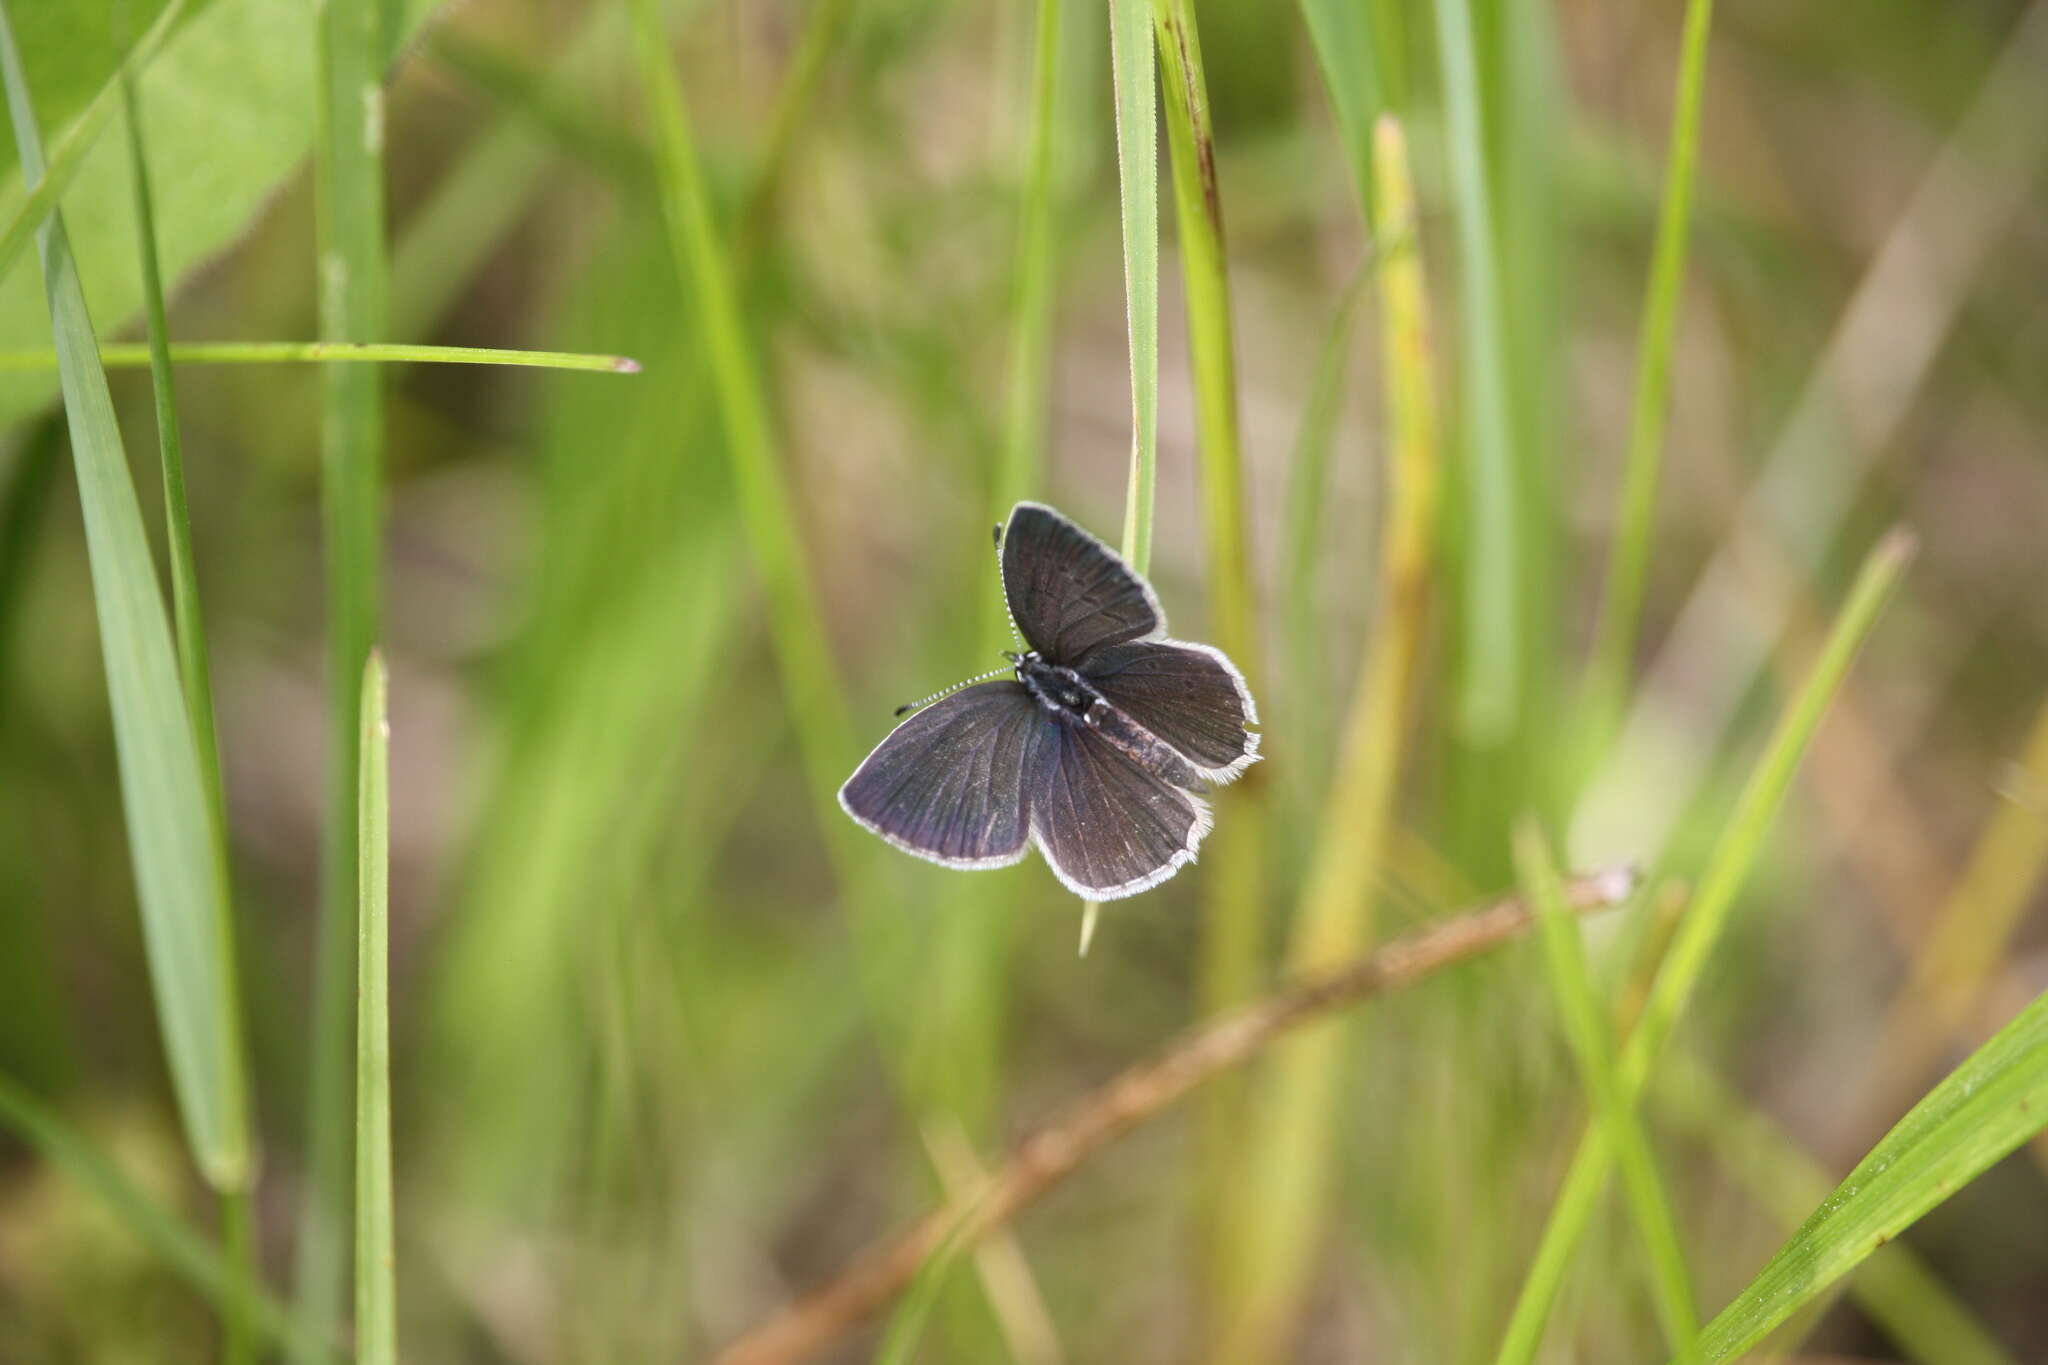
{"x": 1094, "y": 750}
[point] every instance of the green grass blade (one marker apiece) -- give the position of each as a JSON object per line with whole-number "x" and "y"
{"x": 1134, "y": 71}
{"x": 1020, "y": 469}
{"x": 376, "y": 1288}
{"x": 349, "y": 209}
{"x": 1489, "y": 699}
{"x": 237, "y": 1209}
{"x": 766, "y": 508}
{"x": 177, "y": 876}
{"x": 185, "y": 1252}
{"x": 1727, "y": 869}
{"x": 68, "y": 155}
{"x": 1592, "y": 1044}
{"x": 1994, "y": 1101}
{"x": 1288, "y": 1163}
{"x": 1898, "y": 1291}
{"x": 1628, "y": 569}
{"x": 117, "y": 354}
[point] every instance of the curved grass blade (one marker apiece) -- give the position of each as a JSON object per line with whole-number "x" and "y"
{"x": 376, "y": 1290}
{"x": 1727, "y": 870}
{"x": 1994, "y": 1101}
{"x": 1896, "y": 1289}
{"x": 177, "y": 875}
{"x": 1592, "y": 1044}
{"x": 1133, "y": 70}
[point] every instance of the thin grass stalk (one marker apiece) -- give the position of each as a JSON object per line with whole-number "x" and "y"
{"x": 791, "y": 116}
{"x": 177, "y": 876}
{"x": 376, "y": 1287}
{"x": 1592, "y": 1041}
{"x": 767, "y": 510}
{"x": 1234, "y": 869}
{"x": 237, "y": 1209}
{"x": 68, "y": 155}
{"x": 1628, "y": 568}
{"x": 1727, "y": 869}
{"x": 1489, "y": 696}
{"x": 1134, "y": 72}
{"x": 349, "y": 210}
{"x": 119, "y": 355}
{"x": 1277, "y": 1224}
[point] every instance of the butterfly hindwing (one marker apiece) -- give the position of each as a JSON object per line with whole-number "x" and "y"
{"x": 1067, "y": 591}
{"x": 1191, "y": 696}
{"x": 948, "y": 783}
{"x": 1108, "y": 827}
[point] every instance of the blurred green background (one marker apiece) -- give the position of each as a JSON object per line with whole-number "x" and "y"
{"x": 672, "y": 1039}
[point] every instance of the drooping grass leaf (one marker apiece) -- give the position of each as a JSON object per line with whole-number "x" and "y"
{"x": 1727, "y": 870}
{"x": 376, "y": 1278}
{"x": 116, "y": 354}
{"x": 177, "y": 873}
{"x": 1994, "y": 1101}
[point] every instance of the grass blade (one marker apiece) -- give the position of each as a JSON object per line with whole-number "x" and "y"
{"x": 1592, "y": 1044}
{"x": 376, "y": 1288}
{"x": 1994, "y": 1101}
{"x": 1490, "y": 695}
{"x": 349, "y": 207}
{"x": 1628, "y": 569}
{"x": 1290, "y": 1152}
{"x": 116, "y": 354}
{"x": 1358, "y": 50}
{"x": 1895, "y": 1288}
{"x": 1727, "y": 869}
{"x": 177, "y": 873}
{"x": 1133, "y": 69}
{"x": 237, "y": 1210}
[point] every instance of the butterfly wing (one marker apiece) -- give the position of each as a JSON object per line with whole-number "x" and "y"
{"x": 1107, "y": 826}
{"x": 1068, "y": 592}
{"x": 948, "y": 783}
{"x": 1191, "y": 696}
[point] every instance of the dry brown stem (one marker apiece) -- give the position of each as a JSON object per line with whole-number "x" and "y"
{"x": 1042, "y": 1160}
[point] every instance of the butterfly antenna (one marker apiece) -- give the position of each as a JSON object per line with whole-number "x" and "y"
{"x": 946, "y": 692}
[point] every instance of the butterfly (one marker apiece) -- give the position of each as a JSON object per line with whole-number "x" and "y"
{"x": 1095, "y": 748}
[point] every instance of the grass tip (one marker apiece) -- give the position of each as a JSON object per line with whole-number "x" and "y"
{"x": 625, "y": 364}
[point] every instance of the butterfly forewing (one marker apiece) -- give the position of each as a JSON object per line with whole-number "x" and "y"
{"x": 1188, "y": 695}
{"x": 1067, "y": 591}
{"x": 1108, "y": 827}
{"x": 948, "y": 783}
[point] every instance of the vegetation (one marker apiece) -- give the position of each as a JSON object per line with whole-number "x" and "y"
{"x": 1609, "y": 442}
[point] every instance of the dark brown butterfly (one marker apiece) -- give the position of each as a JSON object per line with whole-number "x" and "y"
{"x": 1094, "y": 749}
